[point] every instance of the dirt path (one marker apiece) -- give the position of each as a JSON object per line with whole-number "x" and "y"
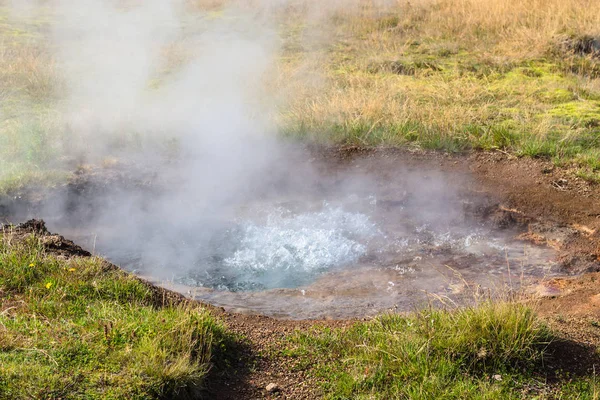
{"x": 260, "y": 363}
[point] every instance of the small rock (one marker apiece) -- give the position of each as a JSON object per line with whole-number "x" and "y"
{"x": 497, "y": 377}
{"x": 503, "y": 219}
{"x": 272, "y": 388}
{"x": 547, "y": 290}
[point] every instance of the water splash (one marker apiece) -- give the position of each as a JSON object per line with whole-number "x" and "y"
{"x": 288, "y": 249}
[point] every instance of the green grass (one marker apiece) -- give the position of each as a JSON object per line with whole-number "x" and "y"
{"x": 448, "y": 75}
{"x": 17, "y": 176}
{"x": 490, "y": 351}
{"x": 75, "y": 329}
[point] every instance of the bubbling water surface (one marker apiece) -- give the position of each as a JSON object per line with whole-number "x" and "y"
{"x": 347, "y": 244}
{"x": 290, "y": 249}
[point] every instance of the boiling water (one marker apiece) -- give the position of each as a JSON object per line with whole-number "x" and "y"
{"x": 289, "y": 250}
{"x": 352, "y": 257}
{"x": 345, "y": 244}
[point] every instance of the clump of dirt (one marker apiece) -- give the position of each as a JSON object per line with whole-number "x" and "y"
{"x": 52, "y": 243}
{"x": 503, "y": 219}
{"x": 585, "y": 45}
{"x": 35, "y": 226}
{"x": 566, "y": 218}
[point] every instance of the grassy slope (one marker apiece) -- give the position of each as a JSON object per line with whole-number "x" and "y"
{"x": 75, "y": 329}
{"x": 491, "y": 351}
{"x": 441, "y": 74}
{"x": 455, "y": 75}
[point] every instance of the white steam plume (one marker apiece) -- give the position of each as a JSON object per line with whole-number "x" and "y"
{"x": 179, "y": 99}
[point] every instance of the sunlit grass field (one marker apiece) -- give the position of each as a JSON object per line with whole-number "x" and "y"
{"x": 458, "y": 75}
{"x": 453, "y": 75}
{"x": 494, "y": 350}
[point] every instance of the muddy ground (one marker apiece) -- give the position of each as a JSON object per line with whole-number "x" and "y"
{"x": 559, "y": 209}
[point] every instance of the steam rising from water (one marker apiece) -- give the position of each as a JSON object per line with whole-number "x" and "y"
{"x": 182, "y": 103}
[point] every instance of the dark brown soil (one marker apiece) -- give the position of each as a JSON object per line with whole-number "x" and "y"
{"x": 561, "y": 210}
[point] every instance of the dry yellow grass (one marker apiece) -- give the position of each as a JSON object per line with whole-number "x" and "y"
{"x": 452, "y": 74}
{"x": 448, "y": 74}
{"x": 26, "y": 69}
{"x": 512, "y": 28}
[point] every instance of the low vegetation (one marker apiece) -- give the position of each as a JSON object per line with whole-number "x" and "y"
{"x": 518, "y": 76}
{"x": 75, "y": 329}
{"x": 456, "y": 75}
{"x": 495, "y": 350}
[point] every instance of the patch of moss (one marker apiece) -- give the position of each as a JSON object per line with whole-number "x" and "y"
{"x": 581, "y": 113}
{"x": 556, "y": 96}
{"x": 533, "y": 75}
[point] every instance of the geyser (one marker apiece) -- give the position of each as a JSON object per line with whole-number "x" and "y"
{"x": 288, "y": 250}
{"x": 358, "y": 238}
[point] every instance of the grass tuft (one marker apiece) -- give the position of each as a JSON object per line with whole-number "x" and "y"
{"x": 75, "y": 329}
{"x": 480, "y": 352}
